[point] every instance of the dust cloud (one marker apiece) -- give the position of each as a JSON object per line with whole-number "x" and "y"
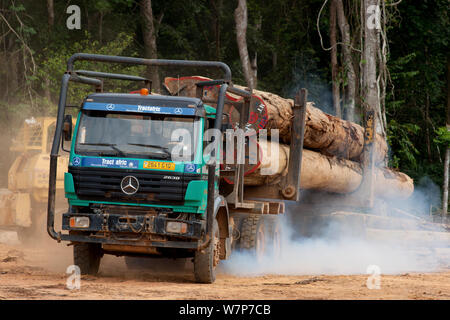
{"x": 333, "y": 251}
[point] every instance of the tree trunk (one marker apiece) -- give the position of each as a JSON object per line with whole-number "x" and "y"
{"x": 326, "y": 133}
{"x": 323, "y": 132}
{"x": 100, "y": 27}
{"x": 370, "y": 88}
{"x": 348, "y": 63}
{"x": 445, "y": 186}
{"x": 370, "y": 100}
{"x": 150, "y": 42}
{"x": 13, "y": 67}
{"x": 324, "y": 173}
{"x": 51, "y": 14}
{"x": 249, "y": 68}
{"x": 217, "y": 8}
{"x": 334, "y": 62}
{"x": 447, "y": 151}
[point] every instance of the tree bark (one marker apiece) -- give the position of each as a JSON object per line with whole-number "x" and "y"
{"x": 150, "y": 42}
{"x": 51, "y": 14}
{"x": 370, "y": 89}
{"x": 370, "y": 100}
{"x": 323, "y": 132}
{"x": 348, "y": 62}
{"x": 445, "y": 186}
{"x": 325, "y": 173}
{"x": 326, "y": 133}
{"x": 100, "y": 27}
{"x": 217, "y": 8}
{"x": 334, "y": 62}
{"x": 241, "y": 20}
{"x": 447, "y": 151}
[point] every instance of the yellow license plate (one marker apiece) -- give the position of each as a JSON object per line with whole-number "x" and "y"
{"x": 159, "y": 165}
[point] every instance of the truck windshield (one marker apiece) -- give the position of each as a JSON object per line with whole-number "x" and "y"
{"x": 137, "y": 136}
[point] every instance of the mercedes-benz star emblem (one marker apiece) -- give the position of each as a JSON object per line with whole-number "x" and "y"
{"x": 129, "y": 185}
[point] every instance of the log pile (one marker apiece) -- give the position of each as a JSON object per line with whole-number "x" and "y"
{"x": 332, "y": 147}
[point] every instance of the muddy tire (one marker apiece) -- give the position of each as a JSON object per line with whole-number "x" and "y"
{"x": 206, "y": 260}
{"x": 87, "y": 257}
{"x": 254, "y": 236}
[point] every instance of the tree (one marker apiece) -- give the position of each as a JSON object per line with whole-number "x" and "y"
{"x": 249, "y": 68}
{"x": 348, "y": 63}
{"x": 149, "y": 34}
{"x": 217, "y": 9}
{"x": 447, "y": 150}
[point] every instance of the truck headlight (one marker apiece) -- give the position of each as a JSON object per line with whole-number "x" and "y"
{"x": 79, "y": 222}
{"x": 176, "y": 227}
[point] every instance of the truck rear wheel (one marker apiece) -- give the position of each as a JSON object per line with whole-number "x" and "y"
{"x": 206, "y": 261}
{"x": 253, "y": 236}
{"x": 87, "y": 257}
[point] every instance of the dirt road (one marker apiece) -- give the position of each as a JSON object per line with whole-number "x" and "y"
{"x": 38, "y": 272}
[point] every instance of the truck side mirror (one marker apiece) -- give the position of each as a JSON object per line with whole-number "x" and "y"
{"x": 67, "y": 127}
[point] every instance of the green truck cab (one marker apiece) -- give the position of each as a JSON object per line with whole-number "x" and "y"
{"x": 139, "y": 183}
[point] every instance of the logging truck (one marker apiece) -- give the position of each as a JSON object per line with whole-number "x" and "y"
{"x": 128, "y": 196}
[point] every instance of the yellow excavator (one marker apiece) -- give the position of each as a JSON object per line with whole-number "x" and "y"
{"x": 23, "y": 204}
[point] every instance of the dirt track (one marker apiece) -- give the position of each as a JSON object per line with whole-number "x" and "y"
{"x": 38, "y": 272}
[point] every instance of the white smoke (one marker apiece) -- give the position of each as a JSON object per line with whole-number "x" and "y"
{"x": 340, "y": 253}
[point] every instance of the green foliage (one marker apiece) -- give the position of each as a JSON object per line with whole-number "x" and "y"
{"x": 399, "y": 137}
{"x": 417, "y": 65}
{"x": 53, "y": 63}
{"x": 442, "y": 137}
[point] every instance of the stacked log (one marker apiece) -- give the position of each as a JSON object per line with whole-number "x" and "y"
{"x": 325, "y": 173}
{"x": 332, "y": 152}
{"x": 325, "y": 133}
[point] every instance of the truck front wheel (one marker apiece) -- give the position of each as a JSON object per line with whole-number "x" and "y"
{"x": 206, "y": 261}
{"x": 87, "y": 257}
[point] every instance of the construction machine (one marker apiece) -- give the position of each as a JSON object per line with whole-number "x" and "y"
{"x": 23, "y": 203}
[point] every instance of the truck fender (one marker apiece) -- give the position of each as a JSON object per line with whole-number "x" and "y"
{"x": 222, "y": 216}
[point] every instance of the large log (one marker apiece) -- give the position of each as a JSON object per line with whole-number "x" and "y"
{"x": 325, "y": 173}
{"x": 325, "y": 133}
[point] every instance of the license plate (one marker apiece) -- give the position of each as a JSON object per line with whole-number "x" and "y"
{"x": 159, "y": 165}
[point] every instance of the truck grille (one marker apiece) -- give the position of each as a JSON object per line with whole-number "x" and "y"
{"x": 103, "y": 184}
